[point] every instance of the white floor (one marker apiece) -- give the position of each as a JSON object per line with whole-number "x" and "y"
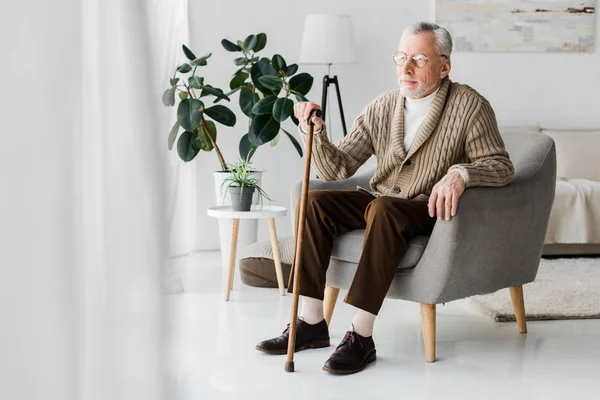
{"x": 211, "y": 355}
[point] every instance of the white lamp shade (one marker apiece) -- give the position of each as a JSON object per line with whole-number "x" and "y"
{"x": 328, "y": 39}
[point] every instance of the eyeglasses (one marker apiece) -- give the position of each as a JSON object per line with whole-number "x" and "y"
{"x": 420, "y": 60}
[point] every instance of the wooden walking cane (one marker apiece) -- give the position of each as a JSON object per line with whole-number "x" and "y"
{"x": 289, "y": 364}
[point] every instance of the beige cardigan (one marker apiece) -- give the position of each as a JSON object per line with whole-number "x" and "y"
{"x": 460, "y": 131}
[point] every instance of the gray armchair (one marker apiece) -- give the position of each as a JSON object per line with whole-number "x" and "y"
{"x": 494, "y": 242}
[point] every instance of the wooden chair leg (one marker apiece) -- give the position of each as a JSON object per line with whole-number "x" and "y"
{"x": 331, "y": 295}
{"x": 516, "y": 294}
{"x": 428, "y": 326}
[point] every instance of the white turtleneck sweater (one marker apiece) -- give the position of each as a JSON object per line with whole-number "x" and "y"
{"x": 415, "y": 112}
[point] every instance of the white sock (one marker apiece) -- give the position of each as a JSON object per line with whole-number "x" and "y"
{"x": 363, "y": 323}
{"x": 312, "y": 310}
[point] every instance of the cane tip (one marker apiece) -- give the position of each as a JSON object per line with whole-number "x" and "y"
{"x": 289, "y": 366}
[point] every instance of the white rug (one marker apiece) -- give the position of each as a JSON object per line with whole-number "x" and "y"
{"x": 565, "y": 288}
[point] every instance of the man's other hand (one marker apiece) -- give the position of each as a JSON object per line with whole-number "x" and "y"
{"x": 443, "y": 201}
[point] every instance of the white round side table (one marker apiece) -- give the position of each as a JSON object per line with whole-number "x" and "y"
{"x": 257, "y": 212}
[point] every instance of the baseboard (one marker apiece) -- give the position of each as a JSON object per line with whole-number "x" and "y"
{"x": 571, "y": 249}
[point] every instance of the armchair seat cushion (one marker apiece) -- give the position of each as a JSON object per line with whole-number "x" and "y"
{"x": 348, "y": 247}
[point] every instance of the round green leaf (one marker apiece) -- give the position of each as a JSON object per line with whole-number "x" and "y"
{"x": 189, "y": 113}
{"x": 229, "y": 46}
{"x": 261, "y": 42}
{"x": 291, "y": 69}
{"x": 266, "y": 68}
{"x": 206, "y": 143}
{"x": 247, "y": 100}
{"x": 183, "y": 95}
{"x": 262, "y": 68}
{"x": 278, "y": 63}
{"x": 168, "y": 97}
{"x": 301, "y": 83}
{"x": 272, "y": 83}
{"x": 246, "y": 148}
{"x": 188, "y": 53}
{"x": 185, "y": 149}
{"x": 250, "y": 43}
{"x": 238, "y": 80}
{"x": 184, "y": 68}
{"x": 282, "y": 109}
{"x": 221, "y": 114}
{"x": 265, "y": 105}
{"x": 173, "y": 135}
{"x": 240, "y": 61}
{"x": 299, "y": 97}
{"x": 208, "y": 90}
{"x": 263, "y": 129}
{"x": 202, "y": 60}
{"x": 197, "y": 82}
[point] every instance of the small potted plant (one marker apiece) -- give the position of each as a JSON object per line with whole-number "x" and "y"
{"x": 267, "y": 87}
{"x": 241, "y": 186}
{"x": 199, "y": 133}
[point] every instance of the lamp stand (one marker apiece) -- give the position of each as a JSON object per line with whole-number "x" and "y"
{"x": 326, "y": 82}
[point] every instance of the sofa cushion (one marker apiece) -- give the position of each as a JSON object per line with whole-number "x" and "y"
{"x": 576, "y": 153}
{"x": 348, "y": 247}
{"x": 575, "y": 212}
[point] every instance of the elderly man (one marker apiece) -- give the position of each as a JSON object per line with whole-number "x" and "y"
{"x": 432, "y": 138}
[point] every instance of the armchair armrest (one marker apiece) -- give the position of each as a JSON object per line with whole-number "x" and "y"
{"x": 494, "y": 241}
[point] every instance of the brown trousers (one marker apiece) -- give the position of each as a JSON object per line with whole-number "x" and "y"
{"x": 389, "y": 223}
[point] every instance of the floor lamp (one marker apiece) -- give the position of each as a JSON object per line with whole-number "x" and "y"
{"x": 328, "y": 39}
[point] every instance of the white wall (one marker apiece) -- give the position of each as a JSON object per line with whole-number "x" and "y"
{"x": 550, "y": 89}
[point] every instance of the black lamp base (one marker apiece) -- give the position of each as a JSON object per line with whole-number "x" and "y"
{"x": 326, "y": 82}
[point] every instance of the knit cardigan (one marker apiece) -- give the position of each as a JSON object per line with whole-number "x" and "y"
{"x": 460, "y": 131}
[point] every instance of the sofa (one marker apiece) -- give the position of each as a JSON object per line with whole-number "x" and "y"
{"x": 574, "y": 226}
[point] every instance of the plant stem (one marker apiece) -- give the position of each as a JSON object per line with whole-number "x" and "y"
{"x": 219, "y": 155}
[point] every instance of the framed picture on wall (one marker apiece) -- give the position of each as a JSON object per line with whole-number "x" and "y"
{"x": 519, "y": 25}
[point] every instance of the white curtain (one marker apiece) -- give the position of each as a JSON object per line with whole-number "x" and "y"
{"x": 85, "y": 205}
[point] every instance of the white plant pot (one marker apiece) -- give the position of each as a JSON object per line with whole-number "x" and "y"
{"x": 248, "y": 232}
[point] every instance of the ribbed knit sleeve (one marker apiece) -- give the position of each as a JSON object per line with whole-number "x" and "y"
{"x": 341, "y": 161}
{"x": 489, "y": 161}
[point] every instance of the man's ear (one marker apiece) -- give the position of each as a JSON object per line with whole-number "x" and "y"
{"x": 446, "y": 67}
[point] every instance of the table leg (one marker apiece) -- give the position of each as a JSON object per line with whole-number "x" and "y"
{"x": 232, "y": 256}
{"x": 276, "y": 256}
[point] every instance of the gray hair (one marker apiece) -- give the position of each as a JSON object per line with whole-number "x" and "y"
{"x": 443, "y": 38}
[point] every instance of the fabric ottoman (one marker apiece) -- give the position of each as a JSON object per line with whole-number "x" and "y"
{"x": 257, "y": 267}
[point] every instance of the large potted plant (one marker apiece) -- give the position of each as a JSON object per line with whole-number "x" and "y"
{"x": 190, "y": 92}
{"x": 199, "y": 132}
{"x": 267, "y": 88}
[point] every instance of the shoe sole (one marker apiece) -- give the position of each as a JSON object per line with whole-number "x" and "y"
{"x": 370, "y": 358}
{"x": 314, "y": 344}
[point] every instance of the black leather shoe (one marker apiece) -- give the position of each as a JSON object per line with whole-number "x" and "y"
{"x": 307, "y": 337}
{"x": 352, "y": 355}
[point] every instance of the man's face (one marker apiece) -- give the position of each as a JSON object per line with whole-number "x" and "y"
{"x": 416, "y": 82}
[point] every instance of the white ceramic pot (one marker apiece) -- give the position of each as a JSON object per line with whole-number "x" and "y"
{"x": 248, "y": 232}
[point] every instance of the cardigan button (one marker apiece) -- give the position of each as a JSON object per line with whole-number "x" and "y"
{"x": 408, "y": 162}
{"x": 397, "y": 190}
